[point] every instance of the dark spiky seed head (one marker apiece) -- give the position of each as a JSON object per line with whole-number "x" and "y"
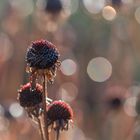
{"x": 42, "y": 54}
{"x": 53, "y": 6}
{"x": 28, "y": 96}
{"x": 59, "y": 110}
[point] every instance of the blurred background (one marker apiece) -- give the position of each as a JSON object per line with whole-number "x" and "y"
{"x": 99, "y": 43}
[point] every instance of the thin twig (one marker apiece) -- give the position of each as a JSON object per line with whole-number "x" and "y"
{"x": 40, "y": 129}
{"x": 45, "y": 126}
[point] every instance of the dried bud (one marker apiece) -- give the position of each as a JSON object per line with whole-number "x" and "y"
{"x": 59, "y": 113}
{"x": 29, "y": 96}
{"x": 42, "y": 54}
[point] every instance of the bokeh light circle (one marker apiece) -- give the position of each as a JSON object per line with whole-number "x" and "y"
{"x": 94, "y": 6}
{"x": 130, "y": 106}
{"x": 99, "y": 69}
{"x": 68, "y": 67}
{"x": 70, "y": 6}
{"x": 16, "y": 110}
{"x": 134, "y": 90}
{"x": 109, "y": 13}
{"x": 137, "y": 15}
{"x": 40, "y": 4}
{"x": 68, "y": 91}
{"x": 25, "y": 7}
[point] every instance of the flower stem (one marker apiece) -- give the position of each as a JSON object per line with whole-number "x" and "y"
{"x": 40, "y": 128}
{"x": 57, "y": 134}
{"x": 45, "y": 126}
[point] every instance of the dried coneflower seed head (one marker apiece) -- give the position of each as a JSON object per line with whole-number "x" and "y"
{"x": 53, "y": 6}
{"x": 59, "y": 115}
{"x": 29, "y": 96}
{"x": 42, "y": 54}
{"x": 59, "y": 110}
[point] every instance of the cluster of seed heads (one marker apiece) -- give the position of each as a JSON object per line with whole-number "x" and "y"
{"x": 42, "y": 59}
